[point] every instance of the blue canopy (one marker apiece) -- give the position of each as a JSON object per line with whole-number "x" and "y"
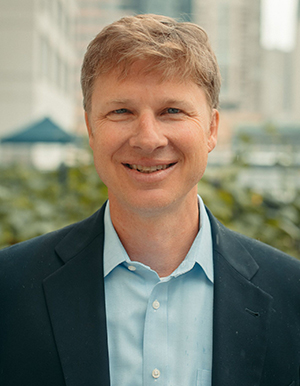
{"x": 43, "y": 131}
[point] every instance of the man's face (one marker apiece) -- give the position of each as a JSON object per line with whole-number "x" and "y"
{"x": 150, "y": 139}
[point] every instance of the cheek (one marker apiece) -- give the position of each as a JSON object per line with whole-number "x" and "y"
{"x": 196, "y": 151}
{"x": 194, "y": 144}
{"x": 109, "y": 150}
{"x": 105, "y": 143}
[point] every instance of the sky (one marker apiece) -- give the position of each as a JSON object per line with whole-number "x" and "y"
{"x": 278, "y": 23}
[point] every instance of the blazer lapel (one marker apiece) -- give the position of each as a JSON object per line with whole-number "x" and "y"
{"x": 241, "y": 313}
{"x": 76, "y": 305}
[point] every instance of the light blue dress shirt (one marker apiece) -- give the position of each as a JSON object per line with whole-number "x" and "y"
{"x": 159, "y": 329}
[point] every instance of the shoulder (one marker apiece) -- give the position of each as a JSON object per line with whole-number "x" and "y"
{"x": 240, "y": 250}
{"x": 266, "y": 255}
{"x": 40, "y": 252}
{"x": 35, "y": 245}
{"x": 221, "y": 233}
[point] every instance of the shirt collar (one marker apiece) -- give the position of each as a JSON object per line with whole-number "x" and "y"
{"x": 200, "y": 251}
{"x": 114, "y": 252}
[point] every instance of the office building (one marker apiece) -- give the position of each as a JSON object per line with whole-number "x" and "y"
{"x": 234, "y": 30}
{"x": 37, "y": 64}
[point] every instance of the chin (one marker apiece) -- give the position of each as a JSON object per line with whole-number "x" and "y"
{"x": 151, "y": 204}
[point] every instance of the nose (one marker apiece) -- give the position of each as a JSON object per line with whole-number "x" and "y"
{"x": 148, "y": 134}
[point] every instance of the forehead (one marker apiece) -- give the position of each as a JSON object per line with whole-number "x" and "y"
{"x": 139, "y": 70}
{"x": 158, "y": 70}
{"x": 161, "y": 70}
{"x": 142, "y": 72}
{"x": 151, "y": 89}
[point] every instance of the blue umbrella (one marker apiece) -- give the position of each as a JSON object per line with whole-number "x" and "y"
{"x": 43, "y": 131}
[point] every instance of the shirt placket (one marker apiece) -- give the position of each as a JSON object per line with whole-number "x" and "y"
{"x": 155, "y": 345}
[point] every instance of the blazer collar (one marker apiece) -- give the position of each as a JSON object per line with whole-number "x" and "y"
{"x": 242, "y": 313}
{"x": 76, "y": 304}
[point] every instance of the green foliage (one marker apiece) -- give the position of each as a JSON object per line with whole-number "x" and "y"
{"x": 33, "y": 203}
{"x": 261, "y": 217}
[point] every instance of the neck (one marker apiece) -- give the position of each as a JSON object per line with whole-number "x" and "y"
{"x": 160, "y": 241}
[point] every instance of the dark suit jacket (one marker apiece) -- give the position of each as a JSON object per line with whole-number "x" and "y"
{"x": 53, "y": 323}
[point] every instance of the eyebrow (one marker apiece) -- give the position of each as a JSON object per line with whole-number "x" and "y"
{"x": 167, "y": 102}
{"x": 175, "y": 101}
{"x": 118, "y": 101}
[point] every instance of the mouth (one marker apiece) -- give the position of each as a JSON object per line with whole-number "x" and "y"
{"x": 149, "y": 169}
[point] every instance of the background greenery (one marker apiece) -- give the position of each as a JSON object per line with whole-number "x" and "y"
{"x": 34, "y": 202}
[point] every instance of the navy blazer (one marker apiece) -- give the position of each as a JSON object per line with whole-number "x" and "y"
{"x": 53, "y": 323}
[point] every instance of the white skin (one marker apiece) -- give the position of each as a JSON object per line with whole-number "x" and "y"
{"x": 140, "y": 122}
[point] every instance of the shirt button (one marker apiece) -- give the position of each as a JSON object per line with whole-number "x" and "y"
{"x": 131, "y": 268}
{"x": 155, "y": 373}
{"x": 156, "y": 304}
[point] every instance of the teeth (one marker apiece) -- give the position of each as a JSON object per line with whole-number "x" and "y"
{"x": 148, "y": 169}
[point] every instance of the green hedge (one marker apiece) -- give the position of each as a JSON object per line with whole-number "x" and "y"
{"x": 33, "y": 203}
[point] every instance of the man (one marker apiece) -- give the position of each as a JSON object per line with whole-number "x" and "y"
{"x": 151, "y": 289}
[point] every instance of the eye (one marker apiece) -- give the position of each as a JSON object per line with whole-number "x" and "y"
{"x": 120, "y": 111}
{"x": 173, "y": 110}
{"x": 119, "y": 114}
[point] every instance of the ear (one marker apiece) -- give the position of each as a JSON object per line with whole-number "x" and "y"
{"x": 89, "y": 129}
{"x": 213, "y": 130}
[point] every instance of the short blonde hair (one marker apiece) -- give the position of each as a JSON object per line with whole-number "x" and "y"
{"x": 174, "y": 48}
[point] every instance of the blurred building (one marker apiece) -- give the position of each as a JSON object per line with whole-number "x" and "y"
{"x": 272, "y": 155}
{"x": 296, "y": 72}
{"x": 43, "y": 43}
{"x": 280, "y": 83}
{"x": 277, "y": 84}
{"x": 38, "y": 57}
{"x": 173, "y": 8}
{"x": 233, "y": 27}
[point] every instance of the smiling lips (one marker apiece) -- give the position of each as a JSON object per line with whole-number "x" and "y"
{"x": 148, "y": 169}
